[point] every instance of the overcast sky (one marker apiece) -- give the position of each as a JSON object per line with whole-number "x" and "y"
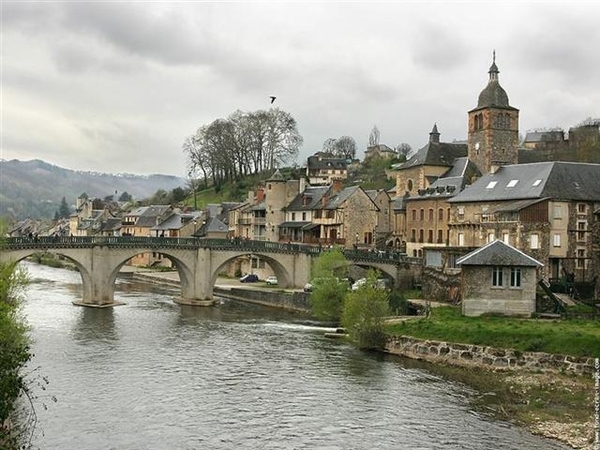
{"x": 117, "y": 86}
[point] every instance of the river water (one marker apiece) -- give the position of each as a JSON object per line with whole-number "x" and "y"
{"x": 155, "y": 375}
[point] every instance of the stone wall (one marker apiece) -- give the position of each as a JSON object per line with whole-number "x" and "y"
{"x": 467, "y": 355}
{"x": 291, "y": 301}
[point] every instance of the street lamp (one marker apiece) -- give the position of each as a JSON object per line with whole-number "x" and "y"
{"x": 356, "y": 242}
{"x": 195, "y": 223}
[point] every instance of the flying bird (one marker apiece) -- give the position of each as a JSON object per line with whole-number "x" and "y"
{"x": 272, "y": 99}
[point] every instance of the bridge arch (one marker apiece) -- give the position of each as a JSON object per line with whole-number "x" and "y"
{"x": 279, "y": 267}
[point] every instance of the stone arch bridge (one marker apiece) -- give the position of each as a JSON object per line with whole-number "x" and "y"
{"x": 198, "y": 261}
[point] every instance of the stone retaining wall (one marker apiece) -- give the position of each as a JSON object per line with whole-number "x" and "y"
{"x": 291, "y": 301}
{"x": 467, "y": 355}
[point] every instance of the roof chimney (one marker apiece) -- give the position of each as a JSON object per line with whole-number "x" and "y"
{"x": 336, "y": 185}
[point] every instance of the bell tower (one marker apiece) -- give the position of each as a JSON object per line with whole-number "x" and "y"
{"x": 493, "y": 127}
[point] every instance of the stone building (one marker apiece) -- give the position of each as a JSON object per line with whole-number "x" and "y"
{"x": 331, "y": 215}
{"x": 322, "y": 169}
{"x": 543, "y": 209}
{"x": 427, "y": 164}
{"x": 493, "y": 127}
{"x": 428, "y": 212}
{"x": 497, "y": 278}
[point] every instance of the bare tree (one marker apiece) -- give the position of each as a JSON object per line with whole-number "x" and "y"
{"x": 329, "y": 145}
{"x": 374, "y": 137}
{"x": 403, "y": 149}
{"x": 345, "y": 147}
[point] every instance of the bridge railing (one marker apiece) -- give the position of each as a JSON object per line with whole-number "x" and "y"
{"x": 156, "y": 243}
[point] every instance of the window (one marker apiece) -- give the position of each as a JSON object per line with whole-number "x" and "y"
{"x": 506, "y": 238}
{"x": 534, "y": 243}
{"x": 303, "y": 216}
{"x": 556, "y": 240}
{"x": 461, "y": 239}
{"x": 515, "y": 277}
{"x": 440, "y": 238}
{"x": 497, "y": 276}
{"x": 461, "y": 212}
{"x": 512, "y": 183}
{"x": 581, "y": 226}
{"x": 422, "y": 214}
{"x": 581, "y": 258}
{"x": 558, "y": 211}
{"x": 581, "y": 208}
{"x": 430, "y": 236}
{"x": 409, "y": 185}
{"x": 293, "y": 217}
{"x": 440, "y": 214}
{"x": 491, "y": 185}
{"x": 431, "y": 214}
{"x": 448, "y": 215}
{"x": 414, "y": 214}
{"x": 536, "y": 183}
{"x": 490, "y": 237}
{"x": 421, "y": 234}
{"x": 413, "y": 235}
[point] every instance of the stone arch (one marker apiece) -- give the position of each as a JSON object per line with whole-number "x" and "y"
{"x": 70, "y": 254}
{"x": 283, "y": 275}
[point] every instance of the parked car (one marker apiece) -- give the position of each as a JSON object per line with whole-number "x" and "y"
{"x": 272, "y": 280}
{"x": 358, "y": 283}
{"x": 249, "y": 278}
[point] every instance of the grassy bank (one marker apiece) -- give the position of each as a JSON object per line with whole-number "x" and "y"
{"x": 567, "y": 337}
{"x": 558, "y": 406}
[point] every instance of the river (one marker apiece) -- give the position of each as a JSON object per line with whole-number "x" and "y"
{"x": 155, "y": 375}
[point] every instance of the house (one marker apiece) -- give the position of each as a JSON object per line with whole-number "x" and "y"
{"x": 380, "y": 151}
{"x": 322, "y": 169}
{"x": 382, "y": 200}
{"x": 427, "y": 164}
{"x": 428, "y": 212}
{"x": 543, "y": 209}
{"x": 498, "y": 279}
{"x": 330, "y": 215}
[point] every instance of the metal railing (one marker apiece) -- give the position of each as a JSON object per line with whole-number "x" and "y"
{"x": 45, "y": 243}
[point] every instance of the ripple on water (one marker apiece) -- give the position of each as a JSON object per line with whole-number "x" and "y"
{"x": 155, "y": 375}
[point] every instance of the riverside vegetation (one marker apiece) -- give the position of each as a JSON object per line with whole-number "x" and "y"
{"x": 17, "y": 417}
{"x": 558, "y": 406}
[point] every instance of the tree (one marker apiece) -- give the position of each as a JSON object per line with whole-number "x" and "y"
{"x": 374, "y": 137}
{"x": 364, "y": 312}
{"x": 345, "y": 147}
{"x": 125, "y": 197}
{"x": 403, "y": 150}
{"x": 14, "y": 355}
{"x": 178, "y": 195}
{"x": 63, "y": 210}
{"x": 329, "y": 145}
{"x": 244, "y": 143}
{"x": 329, "y": 289}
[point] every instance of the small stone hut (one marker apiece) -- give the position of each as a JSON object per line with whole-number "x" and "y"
{"x": 498, "y": 278}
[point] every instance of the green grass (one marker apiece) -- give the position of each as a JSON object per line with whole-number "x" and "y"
{"x": 569, "y": 337}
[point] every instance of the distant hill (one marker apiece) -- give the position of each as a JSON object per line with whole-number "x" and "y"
{"x": 35, "y": 188}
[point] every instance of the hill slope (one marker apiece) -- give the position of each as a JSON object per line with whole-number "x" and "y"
{"x": 35, "y": 188}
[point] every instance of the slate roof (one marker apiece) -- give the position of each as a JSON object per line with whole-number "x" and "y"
{"x": 452, "y": 182}
{"x": 435, "y": 154}
{"x": 314, "y": 194}
{"x": 544, "y": 136}
{"x": 214, "y": 225}
{"x": 493, "y": 95}
{"x": 498, "y": 253}
{"x": 557, "y": 180}
{"x": 314, "y": 163}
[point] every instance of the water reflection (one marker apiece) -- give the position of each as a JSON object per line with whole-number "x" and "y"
{"x": 95, "y": 325}
{"x": 155, "y": 375}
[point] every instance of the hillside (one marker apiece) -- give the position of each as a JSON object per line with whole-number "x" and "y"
{"x": 35, "y": 188}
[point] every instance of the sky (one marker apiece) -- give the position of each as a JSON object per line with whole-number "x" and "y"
{"x": 116, "y": 86}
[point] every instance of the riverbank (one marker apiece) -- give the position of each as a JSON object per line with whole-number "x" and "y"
{"x": 553, "y": 405}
